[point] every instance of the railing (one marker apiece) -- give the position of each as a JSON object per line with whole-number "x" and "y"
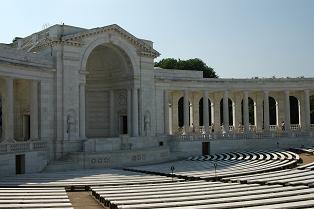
{"x": 273, "y": 127}
{"x": 249, "y": 135}
{"x": 295, "y": 127}
{"x": 22, "y": 146}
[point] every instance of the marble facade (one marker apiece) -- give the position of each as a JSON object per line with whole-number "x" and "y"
{"x": 65, "y": 87}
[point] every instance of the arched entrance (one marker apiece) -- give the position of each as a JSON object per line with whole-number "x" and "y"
{"x": 181, "y": 112}
{"x": 200, "y": 108}
{"x": 273, "y": 110}
{"x": 107, "y": 82}
{"x": 294, "y": 110}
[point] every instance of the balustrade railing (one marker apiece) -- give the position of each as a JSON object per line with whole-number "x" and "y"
{"x": 27, "y": 146}
{"x": 249, "y": 135}
{"x": 273, "y": 127}
{"x": 295, "y": 127}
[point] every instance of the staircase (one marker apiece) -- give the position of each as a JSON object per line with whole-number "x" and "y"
{"x": 66, "y": 163}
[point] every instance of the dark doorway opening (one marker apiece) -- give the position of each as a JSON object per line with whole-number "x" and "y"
{"x": 20, "y": 164}
{"x": 294, "y": 110}
{"x": 181, "y": 112}
{"x": 205, "y": 148}
{"x": 123, "y": 124}
{"x": 200, "y": 108}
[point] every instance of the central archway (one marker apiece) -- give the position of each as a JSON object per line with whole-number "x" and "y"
{"x": 109, "y": 76}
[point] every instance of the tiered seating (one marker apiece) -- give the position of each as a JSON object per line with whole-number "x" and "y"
{"x": 283, "y": 177}
{"x": 309, "y": 150}
{"x": 34, "y": 198}
{"x": 81, "y": 178}
{"x": 224, "y": 165}
{"x": 202, "y": 194}
{"x": 306, "y": 166}
{"x": 258, "y": 155}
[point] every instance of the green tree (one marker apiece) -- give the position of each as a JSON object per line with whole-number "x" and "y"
{"x": 190, "y": 64}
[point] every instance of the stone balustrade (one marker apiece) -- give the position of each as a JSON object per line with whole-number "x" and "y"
{"x": 26, "y": 146}
{"x": 239, "y": 136}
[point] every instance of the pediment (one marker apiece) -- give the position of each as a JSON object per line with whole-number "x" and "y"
{"x": 143, "y": 47}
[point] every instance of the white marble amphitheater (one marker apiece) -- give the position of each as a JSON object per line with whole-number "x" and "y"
{"x": 85, "y": 108}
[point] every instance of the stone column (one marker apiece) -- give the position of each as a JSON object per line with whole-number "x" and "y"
{"x": 34, "y": 110}
{"x": 9, "y": 111}
{"x": 246, "y": 111}
{"x": 186, "y": 111}
{"x": 266, "y": 111}
{"x": 129, "y": 111}
{"x": 82, "y": 110}
{"x": 259, "y": 111}
{"x": 307, "y": 110}
{"x": 135, "y": 112}
{"x": 287, "y": 110}
{"x": 226, "y": 111}
{"x": 216, "y": 116}
{"x": 205, "y": 111}
{"x": 111, "y": 113}
{"x": 238, "y": 113}
{"x": 166, "y": 113}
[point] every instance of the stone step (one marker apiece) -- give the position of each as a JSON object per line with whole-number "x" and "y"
{"x": 57, "y": 166}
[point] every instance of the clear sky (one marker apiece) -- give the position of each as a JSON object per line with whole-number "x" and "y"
{"x": 238, "y": 38}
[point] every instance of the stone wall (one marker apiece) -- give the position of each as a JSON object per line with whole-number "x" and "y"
{"x": 188, "y": 148}
{"x": 34, "y": 162}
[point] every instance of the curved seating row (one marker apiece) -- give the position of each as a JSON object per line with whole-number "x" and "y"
{"x": 283, "y": 177}
{"x": 202, "y": 194}
{"x": 306, "y": 166}
{"x": 81, "y": 178}
{"x": 223, "y": 165}
{"x": 258, "y": 155}
{"x": 309, "y": 150}
{"x": 34, "y": 198}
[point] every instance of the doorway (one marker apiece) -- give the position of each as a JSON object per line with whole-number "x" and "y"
{"x": 205, "y": 148}
{"x": 20, "y": 164}
{"x": 123, "y": 124}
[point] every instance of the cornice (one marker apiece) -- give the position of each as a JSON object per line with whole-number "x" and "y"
{"x": 145, "y": 49}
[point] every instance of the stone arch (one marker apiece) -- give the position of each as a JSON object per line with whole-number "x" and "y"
{"x": 294, "y": 110}
{"x": 109, "y": 68}
{"x": 200, "y": 107}
{"x": 105, "y": 40}
{"x": 231, "y": 112}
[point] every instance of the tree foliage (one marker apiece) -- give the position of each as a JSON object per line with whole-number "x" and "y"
{"x": 190, "y": 64}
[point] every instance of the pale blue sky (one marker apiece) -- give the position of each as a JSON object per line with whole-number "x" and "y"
{"x": 238, "y": 38}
